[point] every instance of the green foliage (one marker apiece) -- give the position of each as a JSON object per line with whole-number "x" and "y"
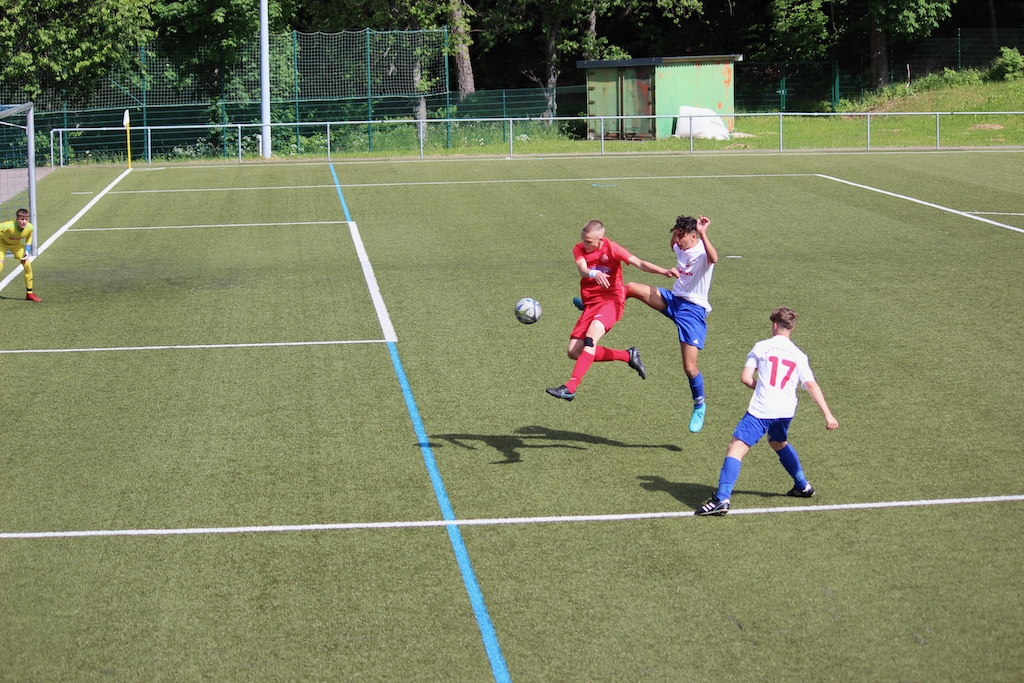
{"x": 66, "y": 45}
{"x": 800, "y": 29}
{"x": 909, "y": 18}
{"x": 1009, "y": 66}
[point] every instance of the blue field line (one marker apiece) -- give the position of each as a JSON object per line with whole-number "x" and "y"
{"x": 476, "y": 597}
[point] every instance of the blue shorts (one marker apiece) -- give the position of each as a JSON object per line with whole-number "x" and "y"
{"x": 750, "y": 429}
{"x": 688, "y": 317}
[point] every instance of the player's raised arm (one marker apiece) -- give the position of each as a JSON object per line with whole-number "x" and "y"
{"x": 702, "y": 229}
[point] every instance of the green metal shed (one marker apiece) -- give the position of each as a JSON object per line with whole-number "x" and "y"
{"x": 656, "y": 86}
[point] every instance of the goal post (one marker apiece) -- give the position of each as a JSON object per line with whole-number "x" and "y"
{"x": 17, "y": 161}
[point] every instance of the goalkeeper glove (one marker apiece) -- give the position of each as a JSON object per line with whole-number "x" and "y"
{"x": 28, "y": 249}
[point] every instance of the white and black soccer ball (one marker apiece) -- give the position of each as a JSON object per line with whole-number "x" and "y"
{"x": 528, "y": 311}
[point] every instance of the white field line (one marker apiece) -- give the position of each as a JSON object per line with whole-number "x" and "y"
{"x": 196, "y": 346}
{"x": 211, "y": 225}
{"x": 371, "y": 284}
{"x": 496, "y": 181}
{"x": 965, "y": 214}
{"x": 993, "y": 213}
{"x": 65, "y": 227}
{"x": 497, "y": 521}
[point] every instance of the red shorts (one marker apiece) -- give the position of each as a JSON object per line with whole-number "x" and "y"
{"x": 607, "y": 312}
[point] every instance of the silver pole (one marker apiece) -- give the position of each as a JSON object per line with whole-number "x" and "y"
{"x": 265, "y": 75}
{"x": 30, "y": 130}
{"x": 780, "y": 131}
{"x": 936, "y": 130}
{"x": 510, "y": 137}
{"x": 602, "y": 136}
{"x": 869, "y": 130}
{"x": 149, "y": 145}
{"x": 328, "y": 141}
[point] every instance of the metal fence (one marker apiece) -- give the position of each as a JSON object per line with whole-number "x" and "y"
{"x": 779, "y": 131}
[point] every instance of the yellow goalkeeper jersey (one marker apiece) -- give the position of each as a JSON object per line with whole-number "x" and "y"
{"x": 10, "y": 237}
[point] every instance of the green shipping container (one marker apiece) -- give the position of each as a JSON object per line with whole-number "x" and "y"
{"x": 656, "y": 86}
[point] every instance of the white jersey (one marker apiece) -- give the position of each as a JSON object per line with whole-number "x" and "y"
{"x": 694, "y": 280}
{"x": 780, "y": 367}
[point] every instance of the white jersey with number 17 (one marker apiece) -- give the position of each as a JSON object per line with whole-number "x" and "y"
{"x": 780, "y": 367}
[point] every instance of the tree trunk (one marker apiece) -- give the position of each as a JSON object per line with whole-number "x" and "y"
{"x": 591, "y": 34}
{"x": 551, "y": 65}
{"x": 992, "y": 16}
{"x": 879, "y": 56}
{"x": 463, "y": 64}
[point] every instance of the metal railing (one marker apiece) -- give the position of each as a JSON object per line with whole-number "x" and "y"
{"x": 407, "y": 137}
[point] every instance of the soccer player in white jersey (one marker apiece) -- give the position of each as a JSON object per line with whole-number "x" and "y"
{"x": 779, "y": 366}
{"x": 687, "y": 302}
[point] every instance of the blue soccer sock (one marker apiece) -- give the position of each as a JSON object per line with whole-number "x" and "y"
{"x": 697, "y": 389}
{"x": 727, "y": 479}
{"x": 791, "y": 461}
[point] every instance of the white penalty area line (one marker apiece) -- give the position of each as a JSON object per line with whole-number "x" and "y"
{"x": 212, "y": 225}
{"x": 197, "y": 346}
{"x": 495, "y": 181}
{"x": 965, "y": 214}
{"x": 497, "y": 521}
{"x": 64, "y": 228}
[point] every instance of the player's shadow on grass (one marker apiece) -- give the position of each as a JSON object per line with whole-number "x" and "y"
{"x": 690, "y": 494}
{"x": 536, "y": 437}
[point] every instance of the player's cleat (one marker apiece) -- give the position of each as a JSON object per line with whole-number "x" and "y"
{"x": 561, "y": 392}
{"x": 636, "y": 363}
{"x": 30, "y": 296}
{"x": 798, "y": 492}
{"x": 713, "y": 508}
{"x": 577, "y": 302}
{"x": 697, "y": 419}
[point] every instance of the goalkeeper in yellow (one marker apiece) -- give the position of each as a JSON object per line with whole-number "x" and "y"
{"x": 16, "y": 237}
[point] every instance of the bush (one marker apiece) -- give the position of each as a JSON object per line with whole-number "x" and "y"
{"x": 1007, "y": 67}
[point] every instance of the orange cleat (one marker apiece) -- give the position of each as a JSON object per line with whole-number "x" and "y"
{"x": 30, "y": 296}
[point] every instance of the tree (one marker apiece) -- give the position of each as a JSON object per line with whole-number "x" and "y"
{"x": 204, "y": 37}
{"x": 907, "y": 19}
{"x": 571, "y": 27}
{"x": 64, "y": 45}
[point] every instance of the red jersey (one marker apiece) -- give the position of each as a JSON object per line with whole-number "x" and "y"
{"x": 608, "y": 259}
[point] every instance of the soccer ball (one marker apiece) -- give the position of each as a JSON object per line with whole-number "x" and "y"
{"x": 528, "y": 311}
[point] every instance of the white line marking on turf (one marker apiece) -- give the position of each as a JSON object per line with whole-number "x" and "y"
{"x": 495, "y": 181}
{"x": 64, "y": 228}
{"x": 498, "y": 521}
{"x": 993, "y": 213}
{"x": 211, "y": 225}
{"x": 371, "y": 283}
{"x": 965, "y": 214}
{"x": 197, "y": 346}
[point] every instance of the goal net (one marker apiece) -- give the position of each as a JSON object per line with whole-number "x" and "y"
{"x": 17, "y": 161}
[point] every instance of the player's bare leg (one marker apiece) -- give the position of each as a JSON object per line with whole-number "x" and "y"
{"x": 646, "y": 293}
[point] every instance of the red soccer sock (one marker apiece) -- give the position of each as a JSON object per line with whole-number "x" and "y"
{"x": 582, "y": 365}
{"x": 603, "y": 354}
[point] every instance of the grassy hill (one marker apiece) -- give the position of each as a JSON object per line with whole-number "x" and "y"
{"x": 946, "y": 92}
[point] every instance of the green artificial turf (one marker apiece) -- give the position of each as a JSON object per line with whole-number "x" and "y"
{"x": 909, "y": 315}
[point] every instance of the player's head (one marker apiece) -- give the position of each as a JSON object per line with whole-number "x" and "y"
{"x": 784, "y": 317}
{"x": 593, "y": 233}
{"x": 684, "y": 232}
{"x": 22, "y": 219}
{"x": 685, "y": 224}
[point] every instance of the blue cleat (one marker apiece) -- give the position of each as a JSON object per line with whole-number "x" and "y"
{"x": 577, "y": 302}
{"x": 697, "y": 419}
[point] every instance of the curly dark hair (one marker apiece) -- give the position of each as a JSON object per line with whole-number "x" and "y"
{"x": 685, "y": 224}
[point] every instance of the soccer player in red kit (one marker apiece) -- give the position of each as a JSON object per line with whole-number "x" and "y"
{"x": 599, "y": 261}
